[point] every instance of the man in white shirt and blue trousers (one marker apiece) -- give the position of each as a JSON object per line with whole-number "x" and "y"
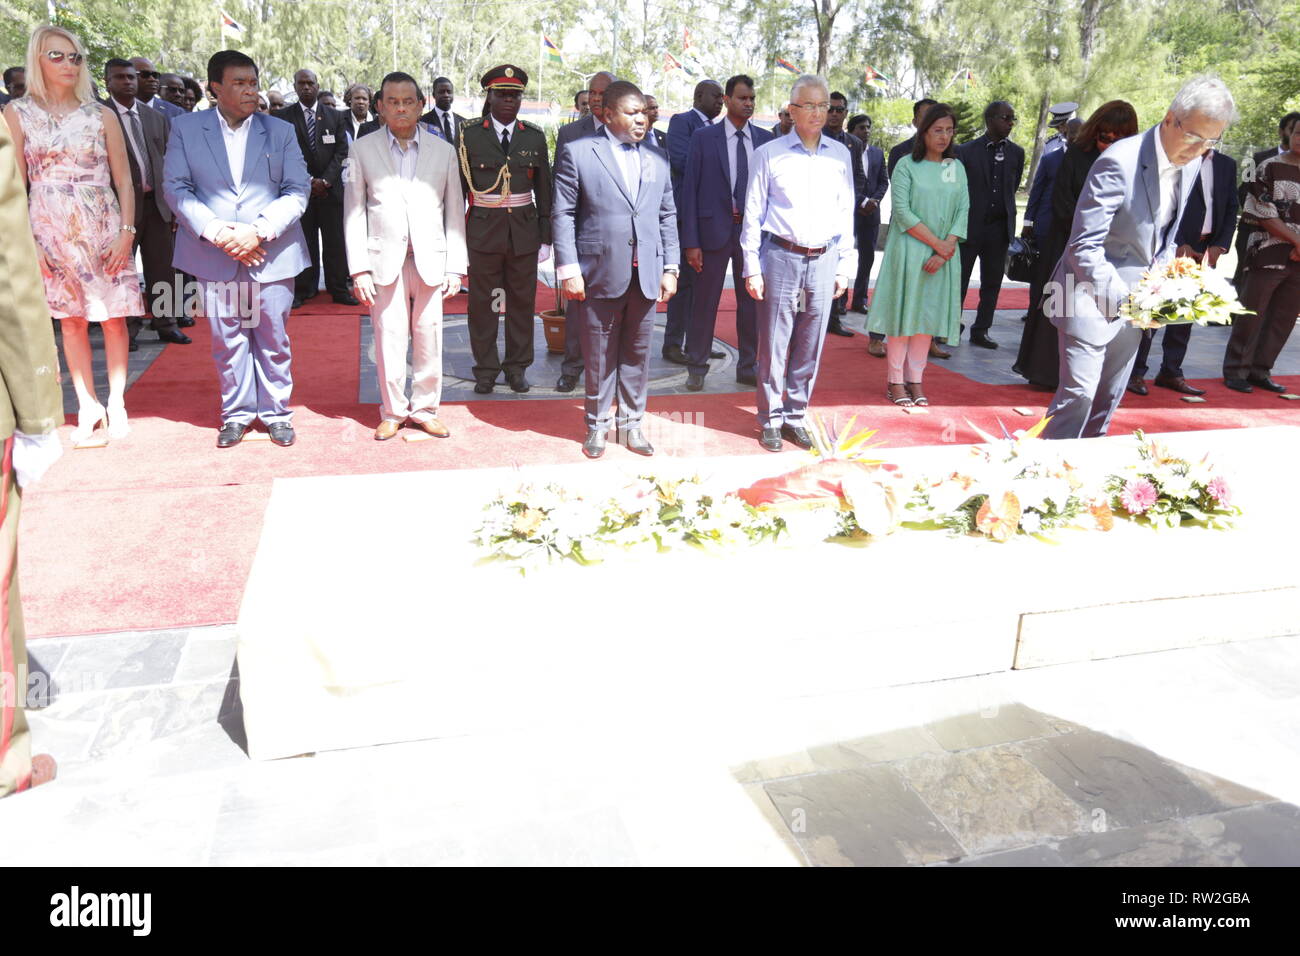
{"x": 797, "y": 241}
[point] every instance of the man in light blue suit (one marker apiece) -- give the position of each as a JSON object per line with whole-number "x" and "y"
{"x": 615, "y": 232}
{"x": 1126, "y": 221}
{"x": 681, "y": 128}
{"x": 238, "y": 184}
{"x": 710, "y": 207}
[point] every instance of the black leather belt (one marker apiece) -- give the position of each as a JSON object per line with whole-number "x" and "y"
{"x": 811, "y": 252}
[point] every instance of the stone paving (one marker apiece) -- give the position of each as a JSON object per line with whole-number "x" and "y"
{"x": 1038, "y": 767}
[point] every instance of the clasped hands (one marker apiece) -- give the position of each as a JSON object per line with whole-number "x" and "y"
{"x": 363, "y": 284}
{"x": 944, "y": 249}
{"x": 576, "y": 289}
{"x": 241, "y": 242}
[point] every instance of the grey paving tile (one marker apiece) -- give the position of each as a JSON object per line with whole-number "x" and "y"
{"x": 1264, "y": 835}
{"x": 879, "y": 748}
{"x": 207, "y": 656}
{"x": 773, "y": 768}
{"x": 861, "y": 817}
{"x": 763, "y": 801}
{"x": 992, "y": 799}
{"x": 1169, "y": 843}
{"x": 1041, "y": 855}
{"x": 135, "y": 659}
{"x": 135, "y": 718}
{"x": 1130, "y": 784}
{"x": 1227, "y": 793}
{"x": 1003, "y": 724}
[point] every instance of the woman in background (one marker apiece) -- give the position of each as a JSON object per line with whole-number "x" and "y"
{"x": 72, "y": 154}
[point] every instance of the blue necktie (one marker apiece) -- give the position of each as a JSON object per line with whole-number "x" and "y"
{"x": 742, "y": 172}
{"x": 311, "y": 127}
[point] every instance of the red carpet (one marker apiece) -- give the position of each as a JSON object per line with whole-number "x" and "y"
{"x": 159, "y": 529}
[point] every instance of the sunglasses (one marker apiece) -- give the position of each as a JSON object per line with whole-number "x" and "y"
{"x": 57, "y": 56}
{"x": 839, "y": 109}
{"x": 148, "y": 74}
{"x": 1107, "y": 138}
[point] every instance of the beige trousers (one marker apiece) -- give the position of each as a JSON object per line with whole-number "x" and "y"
{"x": 408, "y": 312}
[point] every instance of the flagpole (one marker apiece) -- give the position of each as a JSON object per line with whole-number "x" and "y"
{"x": 541, "y": 53}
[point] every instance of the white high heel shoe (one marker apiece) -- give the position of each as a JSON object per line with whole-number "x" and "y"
{"x": 118, "y": 424}
{"x": 87, "y": 418}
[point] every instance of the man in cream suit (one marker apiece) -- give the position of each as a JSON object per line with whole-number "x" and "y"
{"x": 404, "y": 228}
{"x": 1126, "y": 221}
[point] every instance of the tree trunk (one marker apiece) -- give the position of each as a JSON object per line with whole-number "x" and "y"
{"x": 825, "y": 11}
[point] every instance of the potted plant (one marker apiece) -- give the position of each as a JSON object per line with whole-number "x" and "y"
{"x": 553, "y": 321}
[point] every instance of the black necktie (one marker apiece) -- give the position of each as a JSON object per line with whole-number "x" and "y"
{"x": 742, "y": 172}
{"x": 310, "y": 116}
{"x": 446, "y": 128}
{"x": 505, "y": 142}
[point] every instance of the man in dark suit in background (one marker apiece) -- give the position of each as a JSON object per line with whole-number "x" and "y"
{"x": 994, "y": 167}
{"x": 148, "y": 84}
{"x": 867, "y": 221}
{"x": 15, "y": 78}
{"x": 834, "y": 128}
{"x": 712, "y": 205}
{"x": 905, "y": 147}
{"x": 441, "y": 118}
{"x": 1204, "y": 234}
{"x": 588, "y": 125}
{"x": 146, "y": 132}
{"x": 324, "y": 144}
{"x": 1284, "y": 127}
{"x": 707, "y": 106}
{"x": 652, "y": 117}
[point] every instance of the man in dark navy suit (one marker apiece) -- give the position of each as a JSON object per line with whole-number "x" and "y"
{"x": 867, "y": 220}
{"x": 708, "y": 104}
{"x": 712, "y": 201}
{"x": 994, "y": 168}
{"x": 651, "y": 117}
{"x": 1204, "y": 234}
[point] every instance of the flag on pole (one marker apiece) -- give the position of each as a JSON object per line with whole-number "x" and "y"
{"x": 787, "y": 67}
{"x": 688, "y": 46}
{"x": 876, "y": 78}
{"x": 553, "y": 54}
{"x": 229, "y": 27}
{"x": 671, "y": 63}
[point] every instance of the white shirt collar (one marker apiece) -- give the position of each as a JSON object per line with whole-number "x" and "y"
{"x": 314, "y": 110}
{"x": 502, "y": 128}
{"x": 1163, "y": 163}
{"x": 229, "y": 130}
{"x": 135, "y": 105}
{"x": 732, "y": 130}
{"x": 707, "y": 121}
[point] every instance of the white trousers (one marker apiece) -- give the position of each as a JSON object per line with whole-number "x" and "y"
{"x": 408, "y": 312}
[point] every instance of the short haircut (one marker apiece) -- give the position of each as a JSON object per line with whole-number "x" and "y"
{"x": 855, "y": 119}
{"x": 1204, "y": 94}
{"x": 1282, "y": 124}
{"x": 921, "y": 105}
{"x": 807, "y": 79}
{"x": 993, "y": 108}
{"x": 10, "y": 73}
{"x": 399, "y": 77}
{"x": 737, "y": 80}
{"x": 837, "y": 95}
{"x": 114, "y": 63}
{"x": 218, "y": 62}
{"x": 328, "y": 93}
{"x": 618, "y": 91}
{"x": 935, "y": 113}
{"x": 440, "y": 79}
{"x": 576, "y": 97}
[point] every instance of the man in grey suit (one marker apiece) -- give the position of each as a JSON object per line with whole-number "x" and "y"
{"x": 1126, "y": 221}
{"x": 586, "y": 125}
{"x": 611, "y": 194}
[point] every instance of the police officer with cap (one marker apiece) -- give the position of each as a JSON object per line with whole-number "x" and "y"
{"x": 506, "y": 172}
{"x": 1060, "y": 115}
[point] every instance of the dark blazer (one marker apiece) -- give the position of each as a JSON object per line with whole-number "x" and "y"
{"x": 456, "y": 122}
{"x": 661, "y": 139}
{"x": 1224, "y": 201}
{"x": 680, "y": 130}
{"x": 900, "y": 150}
{"x": 704, "y": 207}
{"x": 326, "y": 160}
{"x": 978, "y": 160}
{"x": 582, "y": 126}
{"x": 877, "y": 176}
{"x": 854, "y": 146}
{"x": 369, "y": 127}
{"x": 1039, "y": 208}
{"x": 156, "y": 129}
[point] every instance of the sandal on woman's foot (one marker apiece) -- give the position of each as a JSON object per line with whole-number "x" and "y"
{"x": 897, "y": 393}
{"x": 914, "y": 390}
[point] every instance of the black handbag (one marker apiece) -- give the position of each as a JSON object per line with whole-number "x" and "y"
{"x": 1021, "y": 256}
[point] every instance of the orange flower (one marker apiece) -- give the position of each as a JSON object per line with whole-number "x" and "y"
{"x": 999, "y": 521}
{"x": 1102, "y": 516}
{"x": 526, "y": 524}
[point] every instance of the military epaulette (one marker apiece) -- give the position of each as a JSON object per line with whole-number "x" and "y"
{"x": 532, "y": 126}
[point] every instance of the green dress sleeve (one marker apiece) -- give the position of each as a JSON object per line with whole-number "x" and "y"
{"x": 902, "y": 217}
{"x": 960, "y": 221}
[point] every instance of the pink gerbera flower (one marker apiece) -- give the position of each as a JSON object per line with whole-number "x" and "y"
{"x": 1219, "y": 491}
{"x": 1138, "y": 496}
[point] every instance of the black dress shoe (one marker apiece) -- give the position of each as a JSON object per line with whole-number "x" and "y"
{"x": 133, "y": 346}
{"x": 860, "y": 308}
{"x": 835, "y": 328}
{"x": 348, "y": 299}
{"x": 232, "y": 433}
{"x": 636, "y": 442}
{"x": 1178, "y": 384}
{"x": 1266, "y": 383}
{"x": 674, "y": 353}
{"x": 717, "y": 354}
{"x": 175, "y": 336}
{"x": 1239, "y": 385}
{"x": 185, "y": 322}
{"x": 746, "y": 378}
{"x": 483, "y": 388}
{"x": 594, "y": 446}
{"x": 837, "y": 308}
{"x": 297, "y": 303}
{"x": 771, "y": 439}
{"x": 281, "y": 433}
{"x": 982, "y": 340}
{"x": 1137, "y": 386}
{"x": 517, "y": 382}
{"x": 566, "y": 383}
{"x": 796, "y": 435}
{"x": 694, "y": 382}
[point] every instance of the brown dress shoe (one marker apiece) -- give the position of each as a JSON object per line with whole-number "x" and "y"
{"x": 938, "y": 352}
{"x": 387, "y": 429}
{"x": 1178, "y": 384}
{"x": 876, "y": 347}
{"x": 433, "y": 427}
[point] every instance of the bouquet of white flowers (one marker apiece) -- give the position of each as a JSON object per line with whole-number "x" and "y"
{"x": 1181, "y": 291}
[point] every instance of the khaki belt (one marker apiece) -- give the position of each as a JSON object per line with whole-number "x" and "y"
{"x": 495, "y": 201}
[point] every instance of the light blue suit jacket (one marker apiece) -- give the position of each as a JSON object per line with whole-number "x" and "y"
{"x": 1114, "y": 239}
{"x": 595, "y": 223}
{"x": 198, "y": 186}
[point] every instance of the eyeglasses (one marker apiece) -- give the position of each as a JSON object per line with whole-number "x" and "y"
{"x": 148, "y": 74}
{"x": 1191, "y": 139}
{"x": 813, "y": 107}
{"x": 57, "y": 56}
{"x": 839, "y": 109}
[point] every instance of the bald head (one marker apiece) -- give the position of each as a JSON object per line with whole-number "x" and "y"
{"x": 148, "y": 78}
{"x": 708, "y": 98}
{"x": 306, "y": 86}
{"x": 596, "y": 93}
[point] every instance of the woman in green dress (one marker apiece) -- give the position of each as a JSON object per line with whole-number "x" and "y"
{"x": 918, "y": 294}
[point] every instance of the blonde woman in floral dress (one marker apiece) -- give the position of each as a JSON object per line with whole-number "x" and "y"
{"x": 71, "y": 152}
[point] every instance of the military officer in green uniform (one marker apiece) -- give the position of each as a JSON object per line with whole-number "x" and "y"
{"x": 507, "y": 177}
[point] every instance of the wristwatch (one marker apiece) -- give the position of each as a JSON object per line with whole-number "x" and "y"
{"x": 126, "y": 228}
